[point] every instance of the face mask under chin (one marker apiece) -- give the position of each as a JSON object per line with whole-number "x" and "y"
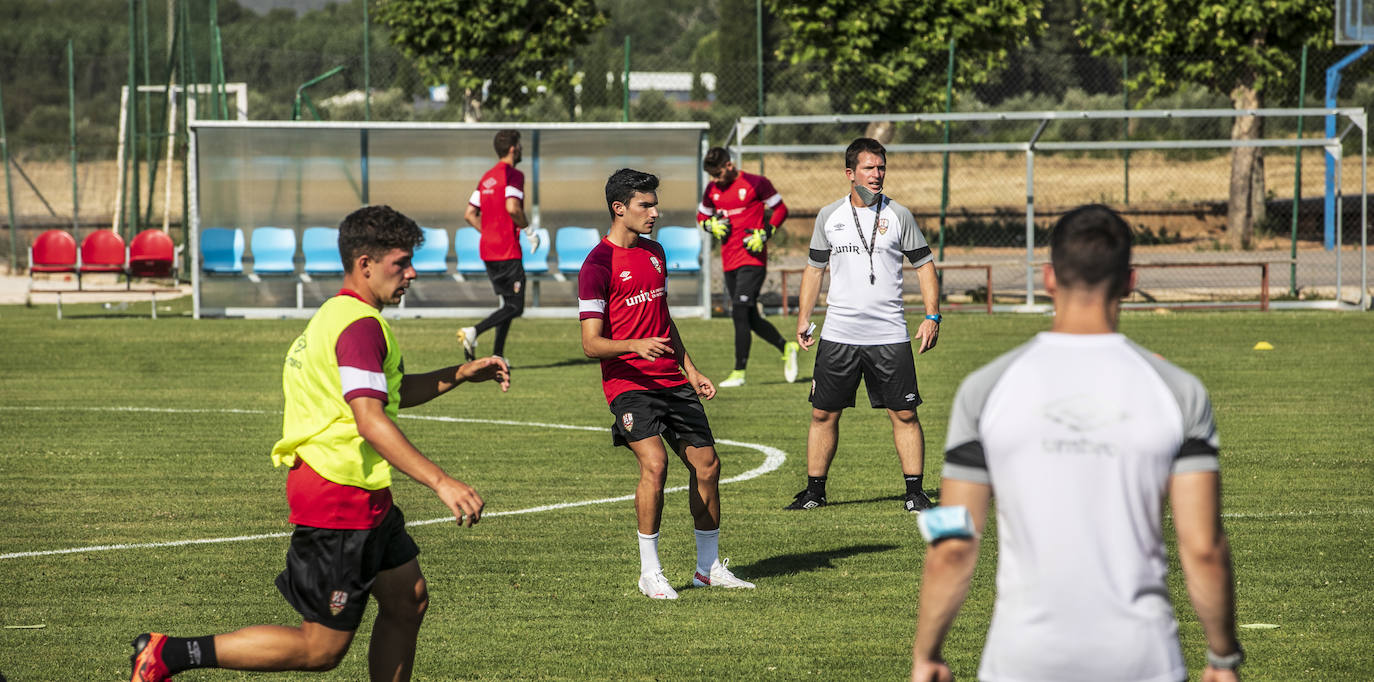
{"x": 866, "y": 195}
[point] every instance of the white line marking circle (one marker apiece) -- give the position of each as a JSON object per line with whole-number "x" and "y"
{"x": 773, "y": 459}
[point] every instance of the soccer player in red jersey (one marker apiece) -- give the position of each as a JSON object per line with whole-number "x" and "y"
{"x": 343, "y": 381}
{"x": 649, "y": 380}
{"x": 497, "y": 209}
{"x": 733, "y": 211}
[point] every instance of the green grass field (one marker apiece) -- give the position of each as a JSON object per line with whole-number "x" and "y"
{"x": 122, "y": 430}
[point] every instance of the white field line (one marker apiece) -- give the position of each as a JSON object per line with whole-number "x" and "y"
{"x": 773, "y": 459}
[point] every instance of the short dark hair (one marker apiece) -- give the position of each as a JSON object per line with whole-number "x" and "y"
{"x": 375, "y": 230}
{"x": 716, "y": 158}
{"x": 504, "y": 140}
{"x": 863, "y": 144}
{"x": 1091, "y": 246}
{"x": 624, "y": 183}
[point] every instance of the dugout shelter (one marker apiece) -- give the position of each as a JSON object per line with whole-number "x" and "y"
{"x": 264, "y": 195}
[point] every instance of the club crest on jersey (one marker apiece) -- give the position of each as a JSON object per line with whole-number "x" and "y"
{"x": 741, "y": 193}
{"x": 627, "y": 420}
{"x": 489, "y": 183}
{"x": 657, "y": 266}
{"x": 882, "y": 226}
{"x": 715, "y": 196}
{"x": 336, "y": 602}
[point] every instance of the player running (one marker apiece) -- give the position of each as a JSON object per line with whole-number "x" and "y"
{"x": 343, "y": 382}
{"x": 497, "y": 210}
{"x": 733, "y": 210}
{"x": 623, "y": 303}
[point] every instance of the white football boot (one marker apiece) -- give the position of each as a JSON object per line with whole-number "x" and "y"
{"x": 720, "y": 577}
{"x": 655, "y": 586}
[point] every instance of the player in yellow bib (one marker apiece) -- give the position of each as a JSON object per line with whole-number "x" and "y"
{"x": 344, "y": 382}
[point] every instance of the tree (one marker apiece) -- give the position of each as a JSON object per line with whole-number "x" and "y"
{"x": 891, "y": 55}
{"x": 1245, "y": 47}
{"x": 508, "y": 49}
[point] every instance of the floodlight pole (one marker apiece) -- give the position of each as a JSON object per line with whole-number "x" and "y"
{"x": 1333, "y": 85}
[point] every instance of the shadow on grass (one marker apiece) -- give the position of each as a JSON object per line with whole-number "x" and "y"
{"x": 790, "y": 564}
{"x": 934, "y": 495}
{"x": 571, "y": 362}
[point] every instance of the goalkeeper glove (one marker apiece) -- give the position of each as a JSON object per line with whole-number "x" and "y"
{"x": 533, "y": 236}
{"x": 755, "y": 240}
{"x": 718, "y": 226}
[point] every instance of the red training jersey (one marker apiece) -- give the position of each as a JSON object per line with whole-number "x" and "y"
{"x": 743, "y": 201}
{"x": 627, "y": 289}
{"x": 499, "y": 238}
{"x": 314, "y": 500}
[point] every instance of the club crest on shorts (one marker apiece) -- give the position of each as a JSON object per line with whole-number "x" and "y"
{"x": 627, "y": 420}
{"x": 517, "y": 287}
{"x": 657, "y": 266}
{"x": 336, "y": 602}
{"x": 882, "y": 226}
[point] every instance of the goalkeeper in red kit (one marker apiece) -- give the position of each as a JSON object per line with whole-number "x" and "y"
{"x": 733, "y": 210}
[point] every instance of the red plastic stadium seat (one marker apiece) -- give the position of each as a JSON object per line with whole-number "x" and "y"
{"x": 102, "y": 251}
{"x": 53, "y": 251}
{"x": 152, "y": 254}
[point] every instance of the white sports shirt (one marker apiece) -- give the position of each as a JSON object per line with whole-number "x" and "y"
{"x": 860, "y": 312}
{"x": 1078, "y": 436}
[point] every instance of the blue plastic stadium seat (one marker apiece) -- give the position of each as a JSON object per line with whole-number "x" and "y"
{"x": 432, "y": 256}
{"x": 467, "y": 247}
{"x": 321, "y": 247}
{"x": 682, "y": 248}
{"x": 573, "y": 244}
{"x": 274, "y": 251}
{"x": 221, "y": 250}
{"x": 536, "y": 263}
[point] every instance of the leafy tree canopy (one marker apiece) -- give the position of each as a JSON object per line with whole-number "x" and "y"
{"x": 1237, "y": 43}
{"x": 891, "y": 55}
{"x": 511, "y": 47}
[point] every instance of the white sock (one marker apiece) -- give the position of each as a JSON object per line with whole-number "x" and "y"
{"x": 648, "y": 554}
{"x": 708, "y": 549}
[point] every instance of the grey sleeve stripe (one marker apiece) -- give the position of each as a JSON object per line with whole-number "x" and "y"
{"x": 912, "y": 238}
{"x": 818, "y": 240}
{"x": 972, "y": 395}
{"x": 963, "y": 473}
{"x": 1185, "y": 465}
{"x": 967, "y": 454}
{"x": 817, "y": 258}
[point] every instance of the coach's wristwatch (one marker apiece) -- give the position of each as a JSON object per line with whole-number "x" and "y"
{"x": 935, "y": 318}
{"x": 1227, "y": 662}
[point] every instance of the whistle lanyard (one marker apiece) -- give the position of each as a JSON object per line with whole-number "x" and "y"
{"x": 873, "y": 234}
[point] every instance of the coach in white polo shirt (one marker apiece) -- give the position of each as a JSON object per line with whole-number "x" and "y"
{"x": 1081, "y": 434}
{"x": 863, "y": 238}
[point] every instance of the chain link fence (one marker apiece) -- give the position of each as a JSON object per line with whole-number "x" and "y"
{"x": 1176, "y": 199}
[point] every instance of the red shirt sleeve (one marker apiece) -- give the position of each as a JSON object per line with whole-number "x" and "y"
{"x": 771, "y": 199}
{"x": 594, "y": 284}
{"x": 707, "y": 207}
{"x": 361, "y": 350}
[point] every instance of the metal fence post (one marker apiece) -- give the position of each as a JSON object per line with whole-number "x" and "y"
{"x": 9, "y": 189}
{"x": 71, "y": 138}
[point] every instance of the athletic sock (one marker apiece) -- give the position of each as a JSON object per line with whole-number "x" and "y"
{"x": 913, "y": 483}
{"x": 708, "y": 550}
{"x": 188, "y": 653}
{"x": 648, "y": 554}
{"x": 816, "y": 484}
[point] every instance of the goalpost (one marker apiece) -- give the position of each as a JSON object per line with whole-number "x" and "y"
{"x": 239, "y": 93}
{"x": 1041, "y": 140}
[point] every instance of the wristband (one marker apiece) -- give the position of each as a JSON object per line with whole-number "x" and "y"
{"x": 943, "y": 523}
{"x": 1227, "y": 662}
{"x": 936, "y": 318}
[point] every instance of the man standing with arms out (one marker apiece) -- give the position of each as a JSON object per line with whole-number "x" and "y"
{"x": 863, "y": 238}
{"x": 343, "y": 382}
{"x": 497, "y": 209}
{"x": 732, "y": 210}
{"x": 1081, "y": 434}
{"x": 623, "y": 303}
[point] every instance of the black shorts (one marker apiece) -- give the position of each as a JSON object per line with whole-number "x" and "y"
{"x": 744, "y": 284}
{"x": 507, "y": 276}
{"x": 675, "y": 413}
{"x": 888, "y": 372}
{"x": 329, "y": 573}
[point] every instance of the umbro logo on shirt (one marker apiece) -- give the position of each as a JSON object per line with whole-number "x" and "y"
{"x": 624, "y": 275}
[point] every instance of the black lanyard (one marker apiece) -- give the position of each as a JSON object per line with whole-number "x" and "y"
{"x": 868, "y": 246}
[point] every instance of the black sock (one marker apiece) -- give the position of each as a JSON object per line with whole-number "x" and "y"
{"x": 816, "y": 484}
{"x": 913, "y": 483}
{"x": 189, "y": 653}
